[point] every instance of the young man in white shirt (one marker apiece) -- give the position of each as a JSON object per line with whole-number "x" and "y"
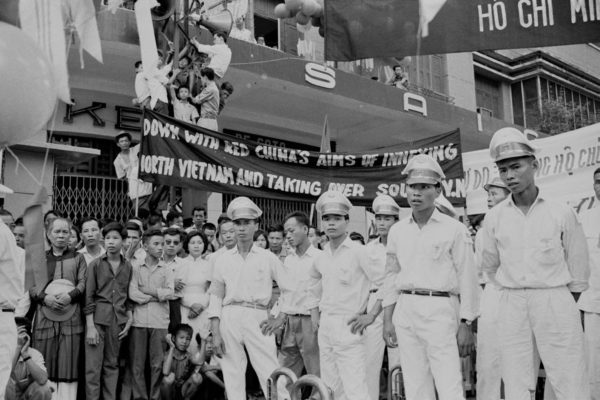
{"x": 240, "y": 292}
{"x": 340, "y": 279}
{"x": 299, "y": 346}
{"x": 589, "y": 302}
{"x": 219, "y": 53}
{"x": 431, "y": 294}
{"x": 536, "y": 250}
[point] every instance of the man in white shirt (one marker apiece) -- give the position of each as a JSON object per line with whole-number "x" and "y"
{"x": 387, "y": 213}
{"x": 219, "y": 53}
{"x": 127, "y": 166}
{"x": 537, "y": 252}
{"x": 431, "y": 295}
{"x": 240, "y": 32}
{"x": 589, "y": 302}
{"x": 488, "y": 349}
{"x": 340, "y": 279}
{"x": 91, "y": 235}
{"x": 299, "y": 346}
{"x": 240, "y": 291}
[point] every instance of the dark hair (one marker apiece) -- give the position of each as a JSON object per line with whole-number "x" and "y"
{"x": 137, "y": 64}
{"x": 221, "y": 34}
{"x": 208, "y": 226}
{"x": 151, "y": 232}
{"x": 132, "y": 226}
{"x": 186, "y": 244}
{"x": 77, "y": 231}
{"x": 19, "y": 221}
{"x": 171, "y": 216}
{"x": 51, "y": 212}
{"x": 175, "y": 232}
{"x": 227, "y": 86}
{"x": 223, "y": 217}
{"x": 208, "y": 73}
{"x": 260, "y": 233}
{"x": 142, "y": 214}
{"x": 123, "y": 134}
{"x": 397, "y": 66}
{"x": 90, "y": 219}
{"x": 154, "y": 219}
{"x": 115, "y": 226}
{"x": 596, "y": 171}
{"x": 223, "y": 222}
{"x": 275, "y": 228}
{"x": 198, "y": 208}
{"x": 183, "y": 328}
{"x": 358, "y": 237}
{"x": 299, "y": 216}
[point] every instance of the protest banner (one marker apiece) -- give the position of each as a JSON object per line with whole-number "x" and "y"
{"x": 358, "y": 29}
{"x": 566, "y": 165}
{"x": 175, "y": 153}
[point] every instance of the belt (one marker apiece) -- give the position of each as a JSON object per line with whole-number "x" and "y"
{"x": 431, "y": 293}
{"x": 299, "y": 315}
{"x": 247, "y": 304}
{"x": 373, "y": 290}
{"x": 8, "y": 310}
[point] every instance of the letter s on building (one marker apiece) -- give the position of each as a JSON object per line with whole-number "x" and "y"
{"x": 319, "y": 75}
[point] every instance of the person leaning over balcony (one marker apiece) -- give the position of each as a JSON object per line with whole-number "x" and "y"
{"x": 536, "y": 250}
{"x": 208, "y": 100}
{"x": 399, "y": 79}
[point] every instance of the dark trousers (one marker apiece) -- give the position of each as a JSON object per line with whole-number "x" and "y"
{"x": 102, "y": 363}
{"x": 146, "y": 344}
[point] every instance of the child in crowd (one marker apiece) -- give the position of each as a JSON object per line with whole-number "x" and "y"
{"x": 182, "y": 109}
{"x": 181, "y": 377}
{"x": 151, "y": 288}
{"x": 142, "y": 91}
{"x": 213, "y": 387}
{"x": 208, "y": 100}
{"x": 108, "y": 315}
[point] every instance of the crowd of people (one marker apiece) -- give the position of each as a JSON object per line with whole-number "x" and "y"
{"x": 194, "y": 90}
{"x": 155, "y": 310}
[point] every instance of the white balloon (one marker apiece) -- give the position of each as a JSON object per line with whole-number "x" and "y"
{"x": 281, "y": 11}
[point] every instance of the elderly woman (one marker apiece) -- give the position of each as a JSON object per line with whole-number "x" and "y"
{"x": 58, "y": 325}
{"x": 195, "y": 272}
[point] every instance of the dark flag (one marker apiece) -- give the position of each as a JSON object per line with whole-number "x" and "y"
{"x": 357, "y": 29}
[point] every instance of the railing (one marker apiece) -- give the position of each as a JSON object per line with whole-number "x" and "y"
{"x": 80, "y": 196}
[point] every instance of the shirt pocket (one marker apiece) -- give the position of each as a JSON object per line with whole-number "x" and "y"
{"x": 439, "y": 249}
{"x": 345, "y": 274}
{"x": 548, "y": 251}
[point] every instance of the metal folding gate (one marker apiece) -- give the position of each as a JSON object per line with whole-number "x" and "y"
{"x": 80, "y": 196}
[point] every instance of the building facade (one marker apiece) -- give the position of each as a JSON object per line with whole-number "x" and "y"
{"x": 283, "y": 91}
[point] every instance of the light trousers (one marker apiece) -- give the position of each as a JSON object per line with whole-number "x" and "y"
{"x": 8, "y": 346}
{"x": 550, "y": 318}
{"x": 343, "y": 355}
{"x": 375, "y": 350}
{"x": 426, "y": 329}
{"x": 592, "y": 343}
{"x": 240, "y": 327}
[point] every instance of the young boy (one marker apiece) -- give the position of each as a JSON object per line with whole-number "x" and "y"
{"x": 182, "y": 109}
{"x": 126, "y": 167}
{"x": 142, "y": 91}
{"x": 208, "y": 100}
{"x": 151, "y": 288}
{"x": 108, "y": 315}
{"x": 213, "y": 387}
{"x": 181, "y": 377}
